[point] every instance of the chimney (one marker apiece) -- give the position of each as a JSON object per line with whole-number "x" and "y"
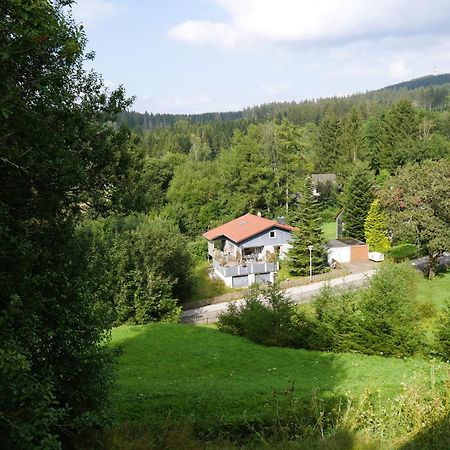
{"x": 281, "y": 220}
{"x": 259, "y": 214}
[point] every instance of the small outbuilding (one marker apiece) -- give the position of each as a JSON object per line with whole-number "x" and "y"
{"x": 347, "y": 250}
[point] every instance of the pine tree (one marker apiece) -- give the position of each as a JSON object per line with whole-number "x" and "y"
{"x": 357, "y": 200}
{"x": 375, "y": 228}
{"x": 309, "y": 233}
{"x": 327, "y": 152}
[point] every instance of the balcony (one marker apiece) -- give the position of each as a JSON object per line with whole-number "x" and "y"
{"x": 235, "y": 269}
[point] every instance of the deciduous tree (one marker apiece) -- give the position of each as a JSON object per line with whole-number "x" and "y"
{"x": 418, "y": 207}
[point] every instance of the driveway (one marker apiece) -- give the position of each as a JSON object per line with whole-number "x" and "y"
{"x": 299, "y": 294}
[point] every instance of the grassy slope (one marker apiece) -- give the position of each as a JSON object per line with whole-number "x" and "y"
{"x": 329, "y": 230}
{"x": 198, "y": 373}
{"x": 434, "y": 292}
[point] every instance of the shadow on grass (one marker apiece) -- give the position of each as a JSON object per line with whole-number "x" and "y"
{"x": 436, "y": 437}
{"x": 221, "y": 387}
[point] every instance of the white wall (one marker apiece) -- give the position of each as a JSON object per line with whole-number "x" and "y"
{"x": 339, "y": 254}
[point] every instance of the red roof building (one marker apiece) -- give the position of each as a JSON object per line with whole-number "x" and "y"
{"x": 244, "y": 227}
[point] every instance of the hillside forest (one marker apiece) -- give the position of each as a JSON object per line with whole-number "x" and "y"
{"x": 102, "y": 209}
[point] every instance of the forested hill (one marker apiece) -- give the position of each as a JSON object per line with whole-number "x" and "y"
{"x": 422, "y": 82}
{"x": 429, "y": 92}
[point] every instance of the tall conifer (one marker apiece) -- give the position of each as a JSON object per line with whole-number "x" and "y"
{"x": 375, "y": 228}
{"x": 309, "y": 233}
{"x": 357, "y": 199}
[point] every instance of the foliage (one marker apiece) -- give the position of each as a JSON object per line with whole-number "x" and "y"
{"x": 193, "y": 197}
{"x": 327, "y": 153}
{"x": 357, "y": 199}
{"x": 382, "y": 319}
{"x": 443, "y": 333}
{"x": 267, "y": 317}
{"x": 418, "y": 207}
{"x": 375, "y": 229}
{"x": 389, "y": 314}
{"x": 402, "y": 251}
{"x": 60, "y": 155}
{"x": 309, "y": 233}
{"x": 144, "y": 265}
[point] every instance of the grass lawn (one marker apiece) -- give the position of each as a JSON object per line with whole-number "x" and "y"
{"x": 183, "y": 372}
{"x": 434, "y": 293}
{"x": 329, "y": 230}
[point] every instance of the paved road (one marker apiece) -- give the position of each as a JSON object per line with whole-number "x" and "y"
{"x": 299, "y": 294}
{"x": 422, "y": 263}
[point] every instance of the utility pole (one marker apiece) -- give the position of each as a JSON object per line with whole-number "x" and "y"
{"x": 310, "y": 247}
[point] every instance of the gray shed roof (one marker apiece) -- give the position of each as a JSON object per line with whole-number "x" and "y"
{"x": 344, "y": 242}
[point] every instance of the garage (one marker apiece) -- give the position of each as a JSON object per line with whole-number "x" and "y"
{"x": 347, "y": 250}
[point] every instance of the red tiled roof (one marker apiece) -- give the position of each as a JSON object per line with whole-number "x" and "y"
{"x": 244, "y": 227}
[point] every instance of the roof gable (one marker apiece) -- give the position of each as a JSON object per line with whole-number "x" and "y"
{"x": 244, "y": 227}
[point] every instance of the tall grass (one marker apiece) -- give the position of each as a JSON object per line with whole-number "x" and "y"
{"x": 417, "y": 418}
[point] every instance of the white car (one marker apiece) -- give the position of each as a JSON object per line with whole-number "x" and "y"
{"x": 376, "y": 256}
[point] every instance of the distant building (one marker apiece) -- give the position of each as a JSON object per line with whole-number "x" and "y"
{"x": 246, "y": 250}
{"x": 322, "y": 178}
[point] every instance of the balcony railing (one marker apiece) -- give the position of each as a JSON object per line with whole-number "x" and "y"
{"x": 245, "y": 268}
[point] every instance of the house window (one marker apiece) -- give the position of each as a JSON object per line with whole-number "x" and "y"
{"x": 272, "y": 234}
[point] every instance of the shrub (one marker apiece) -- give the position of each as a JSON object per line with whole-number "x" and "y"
{"x": 402, "y": 252}
{"x": 382, "y": 319}
{"x": 267, "y": 317}
{"x": 389, "y": 313}
{"x": 198, "y": 249}
{"x": 427, "y": 309}
{"x": 144, "y": 264}
{"x": 443, "y": 334}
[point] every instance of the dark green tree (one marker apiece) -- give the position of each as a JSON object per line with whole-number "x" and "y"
{"x": 417, "y": 203}
{"x": 309, "y": 232}
{"x": 357, "y": 199}
{"x": 59, "y": 156}
{"x": 328, "y": 149}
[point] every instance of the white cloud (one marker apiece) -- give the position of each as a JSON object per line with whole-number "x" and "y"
{"x": 306, "y": 21}
{"x": 206, "y": 33}
{"x": 275, "y": 88}
{"x": 398, "y": 70}
{"x": 90, "y": 12}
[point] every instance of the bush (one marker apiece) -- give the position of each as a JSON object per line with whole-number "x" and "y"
{"x": 427, "y": 309}
{"x": 382, "y": 319}
{"x": 267, "y": 317}
{"x": 442, "y": 346}
{"x": 26, "y": 403}
{"x": 144, "y": 264}
{"x": 198, "y": 249}
{"x": 389, "y": 313}
{"x": 402, "y": 252}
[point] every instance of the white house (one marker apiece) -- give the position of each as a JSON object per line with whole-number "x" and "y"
{"x": 247, "y": 249}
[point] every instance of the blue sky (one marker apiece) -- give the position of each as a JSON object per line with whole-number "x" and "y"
{"x": 196, "y": 56}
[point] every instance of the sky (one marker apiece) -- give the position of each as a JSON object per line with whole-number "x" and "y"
{"x": 194, "y": 56}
